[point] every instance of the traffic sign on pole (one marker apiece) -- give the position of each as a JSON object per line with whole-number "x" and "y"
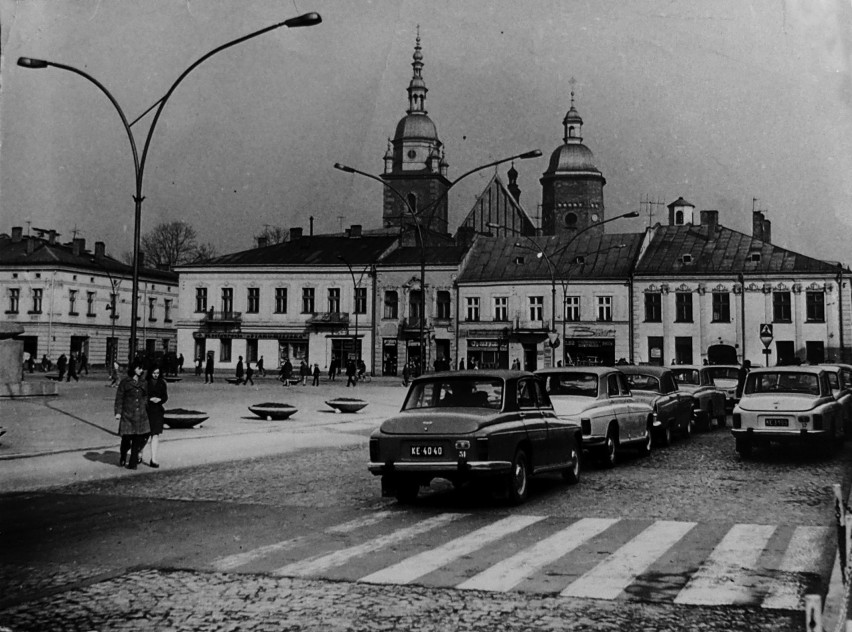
{"x": 766, "y": 334}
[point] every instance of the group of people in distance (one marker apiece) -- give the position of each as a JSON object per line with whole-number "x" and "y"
{"x": 139, "y": 412}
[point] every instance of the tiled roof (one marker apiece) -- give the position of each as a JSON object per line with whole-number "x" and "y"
{"x": 435, "y": 255}
{"x": 499, "y": 259}
{"x": 309, "y": 251}
{"x": 45, "y": 254}
{"x": 725, "y": 251}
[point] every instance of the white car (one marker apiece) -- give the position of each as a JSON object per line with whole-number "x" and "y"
{"x": 840, "y": 379}
{"x": 790, "y": 404}
{"x": 709, "y": 399}
{"x": 600, "y": 401}
{"x": 725, "y": 377}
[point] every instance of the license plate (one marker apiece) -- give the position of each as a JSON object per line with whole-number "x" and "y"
{"x": 775, "y": 421}
{"x": 427, "y": 450}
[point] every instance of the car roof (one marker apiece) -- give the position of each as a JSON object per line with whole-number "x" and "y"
{"x": 502, "y": 374}
{"x": 644, "y": 369}
{"x": 804, "y": 368}
{"x": 837, "y": 365}
{"x": 559, "y": 370}
{"x": 689, "y": 367}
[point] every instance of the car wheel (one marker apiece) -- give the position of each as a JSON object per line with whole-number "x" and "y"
{"x": 702, "y": 419}
{"x": 571, "y": 474}
{"x": 689, "y": 427}
{"x": 610, "y": 449}
{"x": 666, "y": 435}
{"x": 645, "y": 450}
{"x": 744, "y": 447}
{"x": 407, "y": 490}
{"x": 722, "y": 420}
{"x": 519, "y": 478}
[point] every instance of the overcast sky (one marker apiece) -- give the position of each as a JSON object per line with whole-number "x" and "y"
{"x": 718, "y": 101}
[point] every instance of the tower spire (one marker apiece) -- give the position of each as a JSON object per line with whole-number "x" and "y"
{"x": 417, "y": 87}
{"x": 572, "y": 123}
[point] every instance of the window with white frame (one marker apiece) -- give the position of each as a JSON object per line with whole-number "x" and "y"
{"x": 152, "y": 305}
{"x": 501, "y": 308}
{"x": 307, "y": 300}
{"x": 391, "y": 304}
{"x": 225, "y": 350}
{"x": 472, "y": 312}
{"x": 227, "y": 300}
{"x": 14, "y": 300}
{"x": 572, "y": 308}
{"x": 536, "y": 308}
{"x": 605, "y": 308}
{"x": 90, "y": 303}
{"x": 360, "y": 300}
{"x": 281, "y": 300}
{"x": 200, "y": 299}
{"x": 38, "y": 295}
{"x": 167, "y": 310}
{"x": 334, "y": 299}
{"x": 72, "y": 302}
{"x": 253, "y": 300}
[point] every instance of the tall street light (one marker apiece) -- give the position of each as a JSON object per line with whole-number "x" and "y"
{"x": 425, "y": 211}
{"x": 552, "y": 335}
{"x": 308, "y": 19}
{"x": 355, "y": 286}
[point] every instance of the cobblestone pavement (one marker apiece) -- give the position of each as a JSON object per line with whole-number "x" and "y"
{"x": 219, "y": 602}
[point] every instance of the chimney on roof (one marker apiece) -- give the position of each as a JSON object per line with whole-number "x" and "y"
{"x": 78, "y": 246}
{"x": 17, "y": 234}
{"x": 100, "y": 249}
{"x": 710, "y": 220}
{"x": 295, "y": 233}
{"x": 51, "y": 237}
{"x": 761, "y": 227}
{"x": 262, "y": 242}
{"x": 355, "y": 231}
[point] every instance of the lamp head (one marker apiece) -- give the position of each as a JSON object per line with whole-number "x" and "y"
{"x": 29, "y": 62}
{"x": 535, "y": 153}
{"x": 631, "y": 214}
{"x": 308, "y": 19}
{"x": 344, "y": 168}
{"x": 492, "y": 225}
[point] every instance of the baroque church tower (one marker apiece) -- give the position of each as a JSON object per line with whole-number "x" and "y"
{"x": 414, "y": 163}
{"x": 572, "y": 187}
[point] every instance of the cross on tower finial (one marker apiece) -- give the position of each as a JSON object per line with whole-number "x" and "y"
{"x": 572, "y": 81}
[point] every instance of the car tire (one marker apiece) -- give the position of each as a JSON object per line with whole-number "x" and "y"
{"x": 689, "y": 428}
{"x": 722, "y": 419}
{"x": 666, "y": 435}
{"x": 744, "y": 447}
{"x": 648, "y": 443}
{"x": 407, "y": 490}
{"x": 609, "y": 452}
{"x": 702, "y": 419}
{"x": 519, "y": 478}
{"x": 571, "y": 475}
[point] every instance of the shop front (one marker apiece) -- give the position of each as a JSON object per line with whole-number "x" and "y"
{"x": 487, "y": 353}
{"x": 293, "y": 347}
{"x": 390, "y": 356}
{"x": 589, "y": 351}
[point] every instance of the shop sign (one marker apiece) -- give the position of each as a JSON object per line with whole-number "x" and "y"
{"x": 488, "y": 345}
{"x": 262, "y": 335}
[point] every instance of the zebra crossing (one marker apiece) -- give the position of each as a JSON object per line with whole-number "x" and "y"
{"x": 679, "y": 562}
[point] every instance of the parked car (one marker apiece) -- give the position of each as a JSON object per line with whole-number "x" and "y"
{"x": 657, "y": 387}
{"x": 726, "y": 377}
{"x": 792, "y": 404}
{"x": 708, "y": 399}
{"x": 496, "y": 426}
{"x": 840, "y": 380}
{"x": 600, "y": 401}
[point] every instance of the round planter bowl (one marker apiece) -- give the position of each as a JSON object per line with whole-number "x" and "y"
{"x": 346, "y": 404}
{"x": 184, "y": 418}
{"x": 272, "y": 411}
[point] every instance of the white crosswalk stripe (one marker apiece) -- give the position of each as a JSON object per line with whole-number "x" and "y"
{"x": 419, "y": 565}
{"x": 802, "y": 556}
{"x": 319, "y": 563}
{"x": 609, "y": 578}
{"x": 724, "y": 578}
{"x": 512, "y": 571}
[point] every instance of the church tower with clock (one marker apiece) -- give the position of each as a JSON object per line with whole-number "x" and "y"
{"x": 572, "y": 187}
{"x": 415, "y": 165}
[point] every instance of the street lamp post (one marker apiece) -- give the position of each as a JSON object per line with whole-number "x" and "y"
{"x": 540, "y": 253}
{"x": 355, "y": 286}
{"x": 425, "y": 212}
{"x": 308, "y": 19}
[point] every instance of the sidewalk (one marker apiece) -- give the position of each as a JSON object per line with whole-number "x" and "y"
{"x": 71, "y": 437}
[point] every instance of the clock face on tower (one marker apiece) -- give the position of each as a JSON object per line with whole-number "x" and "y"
{"x": 412, "y": 153}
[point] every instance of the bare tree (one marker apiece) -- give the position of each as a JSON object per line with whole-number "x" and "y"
{"x": 173, "y": 243}
{"x": 273, "y": 234}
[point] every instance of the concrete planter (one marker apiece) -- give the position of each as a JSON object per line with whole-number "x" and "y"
{"x": 273, "y": 411}
{"x": 181, "y": 418}
{"x": 346, "y": 404}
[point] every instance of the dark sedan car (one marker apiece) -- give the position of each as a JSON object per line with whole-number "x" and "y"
{"x": 496, "y": 426}
{"x": 672, "y": 407}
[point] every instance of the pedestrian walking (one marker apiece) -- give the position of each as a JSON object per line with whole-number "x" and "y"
{"x": 316, "y": 375}
{"x": 516, "y": 365}
{"x": 239, "y": 372}
{"x": 260, "y": 370}
{"x": 461, "y": 364}
{"x": 350, "y": 374}
{"x": 46, "y": 364}
{"x": 406, "y": 374}
{"x": 158, "y": 394}
{"x": 180, "y": 363}
{"x": 208, "y": 370}
{"x": 333, "y": 368}
{"x": 113, "y": 381}
{"x": 249, "y": 373}
{"x": 131, "y": 400}
{"x": 84, "y": 363}
{"x": 61, "y": 363}
{"x": 287, "y": 372}
{"x": 198, "y": 366}
{"x": 72, "y": 369}
{"x": 304, "y": 372}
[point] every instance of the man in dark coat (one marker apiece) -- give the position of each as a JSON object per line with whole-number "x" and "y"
{"x": 239, "y": 371}
{"x": 61, "y": 363}
{"x": 208, "y": 370}
{"x": 350, "y": 373}
{"x": 131, "y": 403}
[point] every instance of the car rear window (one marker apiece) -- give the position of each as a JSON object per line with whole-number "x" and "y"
{"x": 459, "y": 393}
{"x": 723, "y": 373}
{"x": 686, "y": 376}
{"x": 639, "y": 382}
{"x": 771, "y": 382}
{"x": 583, "y": 384}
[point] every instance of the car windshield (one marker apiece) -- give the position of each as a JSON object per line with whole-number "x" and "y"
{"x": 582, "y": 384}
{"x": 459, "y": 392}
{"x": 772, "y": 382}
{"x": 686, "y": 376}
{"x": 640, "y": 382}
{"x": 722, "y": 373}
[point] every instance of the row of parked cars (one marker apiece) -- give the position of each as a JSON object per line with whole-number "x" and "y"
{"x": 502, "y": 427}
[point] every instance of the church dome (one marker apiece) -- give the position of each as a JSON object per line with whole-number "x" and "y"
{"x": 571, "y": 157}
{"x": 416, "y": 126}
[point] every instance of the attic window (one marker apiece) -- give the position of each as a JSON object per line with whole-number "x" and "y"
{"x": 686, "y": 258}
{"x": 519, "y": 260}
{"x": 755, "y": 256}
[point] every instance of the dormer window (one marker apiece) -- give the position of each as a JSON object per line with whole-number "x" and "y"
{"x": 679, "y": 218}
{"x": 519, "y": 260}
{"x": 755, "y": 256}
{"x": 686, "y": 258}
